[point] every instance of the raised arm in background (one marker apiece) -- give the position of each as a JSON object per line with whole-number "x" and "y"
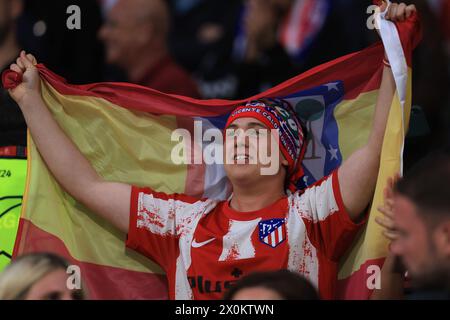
{"x": 358, "y": 174}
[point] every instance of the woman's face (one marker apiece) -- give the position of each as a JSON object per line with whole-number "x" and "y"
{"x": 51, "y": 287}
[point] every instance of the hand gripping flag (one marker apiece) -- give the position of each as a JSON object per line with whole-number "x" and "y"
{"x": 125, "y": 130}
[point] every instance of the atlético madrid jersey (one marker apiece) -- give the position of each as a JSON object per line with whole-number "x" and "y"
{"x": 205, "y": 246}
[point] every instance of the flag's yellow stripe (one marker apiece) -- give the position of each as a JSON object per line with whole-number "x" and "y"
{"x": 122, "y": 145}
{"x": 372, "y": 244}
{"x": 354, "y": 119}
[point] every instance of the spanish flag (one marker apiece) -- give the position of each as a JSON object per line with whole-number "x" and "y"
{"x": 124, "y": 130}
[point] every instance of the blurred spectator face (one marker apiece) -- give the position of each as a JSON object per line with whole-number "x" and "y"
{"x": 129, "y": 28}
{"x": 38, "y": 276}
{"x": 413, "y": 242}
{"x": 261, "y": 19}
{"x": 9, "y": 11}
{"x": 257, "y": 293}
{"x": 265, "y": 14}
{"x": 272, "y": 285}
{"x": 423, "y": 246}
{"x": 51, "y": 287}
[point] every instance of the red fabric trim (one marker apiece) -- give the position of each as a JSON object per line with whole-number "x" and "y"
{"x": 102, "y": 282}
{"x": 19, "y": 240}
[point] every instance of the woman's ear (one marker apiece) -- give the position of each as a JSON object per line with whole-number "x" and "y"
{"x": 444, "y": 238}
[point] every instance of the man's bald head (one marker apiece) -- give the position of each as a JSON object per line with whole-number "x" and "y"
{"x": 10, "y": 10}
{"x": 135, "y": 26}
{"x": 154, "y": 12}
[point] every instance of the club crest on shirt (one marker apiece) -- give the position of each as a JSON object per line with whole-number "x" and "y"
{"x": 272, "y": 232}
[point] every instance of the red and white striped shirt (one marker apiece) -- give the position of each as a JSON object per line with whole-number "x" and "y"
{"x": 204, "y": 246}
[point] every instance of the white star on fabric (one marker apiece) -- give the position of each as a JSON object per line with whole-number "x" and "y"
{"x": 333, "y": 85}
{"x": 305, "y": 180}
{"x": 333, "y": 152}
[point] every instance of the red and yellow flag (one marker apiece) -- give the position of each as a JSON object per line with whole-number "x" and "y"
{"x": 124, "y": 130}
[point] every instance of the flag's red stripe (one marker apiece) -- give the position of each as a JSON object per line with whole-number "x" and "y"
{"x": 120, "y": 284}
{"x": 353, "y": 69}
{"x": 20, "y": 238}
{"x": 102, "y": 282}
{"x": 355, "y": 286}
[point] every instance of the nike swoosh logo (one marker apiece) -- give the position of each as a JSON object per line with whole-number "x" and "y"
{"x": 196, "y": 244}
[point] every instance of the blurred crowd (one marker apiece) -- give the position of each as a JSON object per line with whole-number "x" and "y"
{"x": 232, "y": 49}
{"x": 218, "y": 49}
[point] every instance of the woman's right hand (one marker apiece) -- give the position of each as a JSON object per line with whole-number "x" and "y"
{"x": 31, "y": 83}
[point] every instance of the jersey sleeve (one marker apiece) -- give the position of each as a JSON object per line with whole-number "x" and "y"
{"x": 327, "y": 222}
{"x": 158, "y": 220}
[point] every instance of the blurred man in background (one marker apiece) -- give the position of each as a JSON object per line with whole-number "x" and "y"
{"x": 265, "y": 63}
{"x": 135, "y": 36}
{"x": 10, "y": 10}
{"x": 44, "y": 30}
{"x": 201, "y": 39}
{"x": 417, "y": 221}
{"x": 12, "y": 124}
